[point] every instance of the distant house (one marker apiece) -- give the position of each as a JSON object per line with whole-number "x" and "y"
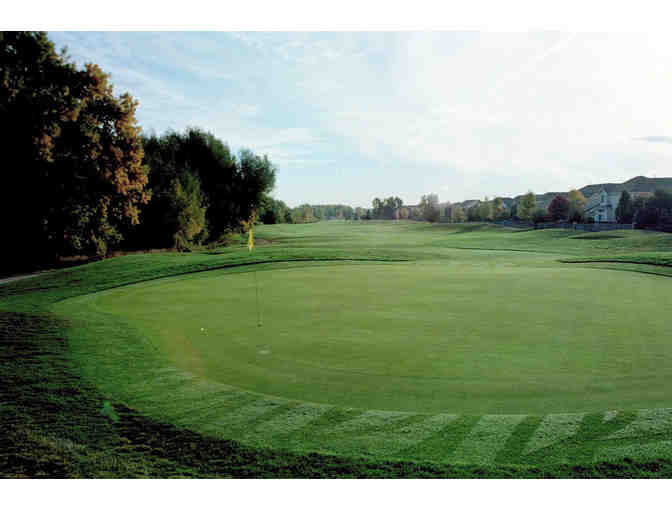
{"x": 445, "y": 209}
{"x": 601, "y": 206}
{"x": 468, "y": 204}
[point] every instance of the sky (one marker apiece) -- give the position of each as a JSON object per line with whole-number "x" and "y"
{"x": 349, "y": 116}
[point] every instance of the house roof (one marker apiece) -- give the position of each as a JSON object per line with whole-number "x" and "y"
{"x": 469, "y": 203}
{"x": 594, "y": 200}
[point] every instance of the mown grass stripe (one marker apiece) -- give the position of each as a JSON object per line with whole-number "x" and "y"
{"x": 646, "y": 451}
{"x": 159, "y": 383}
{"x": 292, "y": 420}
{"x": 369, "y": 421}
{"x": 518, "y": 440}
{"x": 593, "y": 434}
{"x": 229, "y": 423}
{"x": 374, "y": 433}
{"x": 255, "y": 428}
{"x": 647, "y": 421}
{"x": 226, "y": 403}
{"x": 315, "y": 434}
{"x": 183, "y": 395}
{"x": 554, "y": 428}
{"x": 439, "y": 445}
{"x": 190, "y": 408}
{"x": 486, "y": 439}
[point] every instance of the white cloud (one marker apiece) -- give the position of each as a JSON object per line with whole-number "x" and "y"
{"x": 465, "y": 113}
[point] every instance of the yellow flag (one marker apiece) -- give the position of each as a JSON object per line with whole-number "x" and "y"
{"x": 250, "y": 241}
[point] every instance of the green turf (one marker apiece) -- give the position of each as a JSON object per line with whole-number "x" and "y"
{"x": 560, "y": 369}
{"x": 470, "y": 336}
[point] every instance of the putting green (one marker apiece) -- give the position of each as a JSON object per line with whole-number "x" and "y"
{"x": 416, "y": 337}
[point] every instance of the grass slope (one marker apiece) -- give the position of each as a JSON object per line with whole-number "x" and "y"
{"x": 61, "y": 374}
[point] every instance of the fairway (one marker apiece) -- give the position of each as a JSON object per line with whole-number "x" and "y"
{"x": 462, "y": 336}
{"x": 462, "y": 345}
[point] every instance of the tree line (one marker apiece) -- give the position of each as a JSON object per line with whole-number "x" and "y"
{"x": 307, "y": 213}
{"x": 80, "y": 177}
{"x": 643, "y": 211}
{"x": 200, "y": 190}
{"x": 654, "y": 211}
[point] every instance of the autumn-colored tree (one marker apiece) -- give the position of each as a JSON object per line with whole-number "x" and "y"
{"x": 558, "y": 209}
{"x": 499, "y": 211}
{"x": 577, "y": 204}
{"x": 76, "y": 148}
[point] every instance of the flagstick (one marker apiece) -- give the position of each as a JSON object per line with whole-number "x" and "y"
{"x": 250, "y": 246}
{"x": 256, "y": 287}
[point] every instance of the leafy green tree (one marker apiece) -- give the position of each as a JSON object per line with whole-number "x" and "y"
{"x": 386, "y": 208}
{"x": 558, "y": 209}
{"x": 526, "y": 207}
{"x": 377, "y": 210}
{"x": 661, "y": 200}
{"x": 457, "y": 214}
{"x": 656, "y": 210}
{"x": 540, "y": 216}
{"x": 232, "y": 188}
{"x": 625, "y": 210}
{"x": 255, "y": 177}
{"x": 333, "y": 211}
{"x": 76, "y": 149}
{"x": 638, "y": 206}
{"x": 272, "y": 211}
{"x": 223, "y": 179}
{"x": 474, "y": 213}
{"x": 514, "y": 211}
{"x": 429, "y": 206}
{"x": 389, "y": 207}
{"x": 305, "y": 213}
{"x": 485, "y": 210}
{"x": 188, "y": 207}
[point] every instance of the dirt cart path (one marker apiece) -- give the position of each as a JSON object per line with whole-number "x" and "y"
{"x": 19, "y": 277}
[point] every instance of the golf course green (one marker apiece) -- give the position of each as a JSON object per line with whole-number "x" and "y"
{"x": 365, "y": 349}
{"x": 465, "y": 336}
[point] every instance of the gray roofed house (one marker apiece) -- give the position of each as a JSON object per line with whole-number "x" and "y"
{"x": 601, "y": 206}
